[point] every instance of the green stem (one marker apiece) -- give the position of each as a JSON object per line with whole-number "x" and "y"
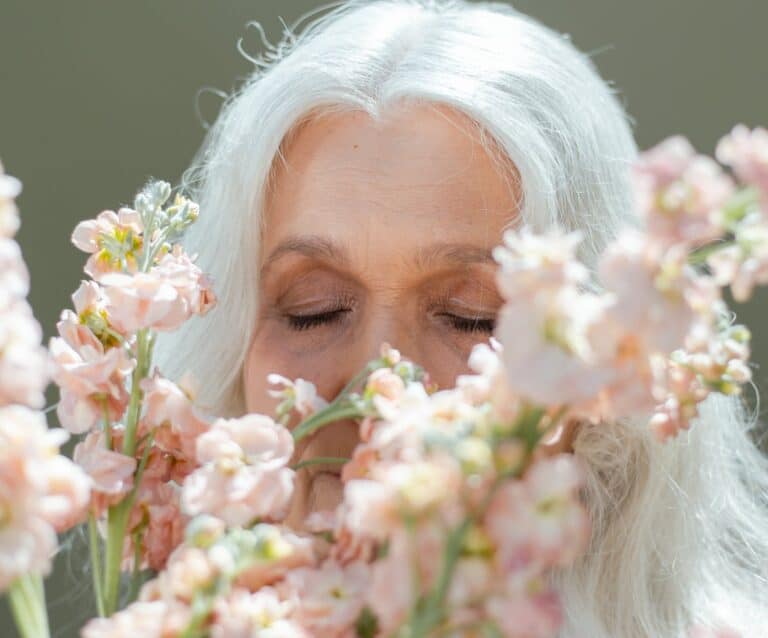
{"x": 117, "y": 519}
{"x": 26, "y": 596}
{"x": 133, "y": 592}
{"x": 321, "y": 460}
{"x": 95, "y": 547}
{"x": 134, "y": 404}
{"x": 325, "y": 416}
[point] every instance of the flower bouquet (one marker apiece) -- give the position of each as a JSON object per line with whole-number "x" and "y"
{"x": 452, "y": 519}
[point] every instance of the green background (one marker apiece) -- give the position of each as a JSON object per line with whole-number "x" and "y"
{"x": 98, "y": 96}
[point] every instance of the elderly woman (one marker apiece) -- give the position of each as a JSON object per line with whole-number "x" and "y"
{"x": 354, "y": 188}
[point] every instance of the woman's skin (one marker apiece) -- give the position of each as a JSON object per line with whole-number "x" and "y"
{"x": 375, "y": 233}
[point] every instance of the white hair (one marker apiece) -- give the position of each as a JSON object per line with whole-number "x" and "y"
{"x": 680, "y": 531}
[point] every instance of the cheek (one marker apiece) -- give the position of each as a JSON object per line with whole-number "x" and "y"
{"x": 270, "y": 352}
{"x": 444, "y": 356}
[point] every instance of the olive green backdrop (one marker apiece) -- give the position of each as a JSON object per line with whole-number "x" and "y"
{"x": 97, "y": 96}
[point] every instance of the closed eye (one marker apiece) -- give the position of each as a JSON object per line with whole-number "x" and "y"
{"x": 305, "y": 322}
{"x": 469, "y": 324}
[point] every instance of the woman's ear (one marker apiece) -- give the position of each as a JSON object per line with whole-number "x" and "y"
{"x": 559, "y": 440}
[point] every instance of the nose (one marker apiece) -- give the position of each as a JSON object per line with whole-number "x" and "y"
{"x": 386, "y": 327}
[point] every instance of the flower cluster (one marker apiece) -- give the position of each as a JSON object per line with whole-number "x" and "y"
{"x": 656, "y": 340}
{"x": 452, "y": 520}
{"x": 41, "y": 491}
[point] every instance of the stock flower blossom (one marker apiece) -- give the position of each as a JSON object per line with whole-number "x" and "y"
{"x": 262, "y": 614}
{"x": 525, "y": 608}
{"x": 162, "y": 298}
{"x": 746, "y": 151}
{"x": 150, "y": 619}
{"x": 113, "y": 239}
{"x": 553, "y": 527}
{"x": 41, "y": 492}
{"x": 90, "y": 378}
{"x": 243, "y": 473}
{"x": 680, "y": 193}
{"x": 156, "y": 515}
{"x": 531, "y": 263}
{"x": 744, "y": 263}
{"x": 14, "y": 275}
{"x": 110, "y": 472}
{"x": 172, "y": 415}
{"x": 328, "y": 599}
{"x": 10, "y": 188}
{"x": 24, "y": 363}
{"x": 548, "y": 356}
{"x": 299, "y": 394}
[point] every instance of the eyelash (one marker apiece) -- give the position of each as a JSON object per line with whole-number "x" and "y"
{"x": 462, "y": 324}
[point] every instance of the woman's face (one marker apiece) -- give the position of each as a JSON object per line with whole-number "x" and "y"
{"x": 374, "y": 234}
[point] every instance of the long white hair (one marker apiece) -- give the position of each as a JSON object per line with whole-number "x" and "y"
{"x": 680, "y": 531}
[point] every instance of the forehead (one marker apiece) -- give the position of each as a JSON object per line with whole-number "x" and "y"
{"x": 418, "y": 175}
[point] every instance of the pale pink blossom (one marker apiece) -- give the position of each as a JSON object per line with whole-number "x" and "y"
{"x": 376, "y": 507}
{"x": 192, "y": 285}
{"x": 530, "y": 262}
{"x": 299, "y": 394}
{"x": 87, "y": 375}
{"x": 548, "y": 356}
{"x": 40, "y": 492}
{"x": 110, "y": 472}
{"x": 526, "y": 608}
{"x": 680, "y": 193}
{"x": 700, "y": 631}
{"x": 551, "y": 525}
{"x": 328, "y": 599}
{"x": 148, "y": 619}
{"x": 746, "y": 152}
{"x": 289, "y": 551}
{"x": 143, "y": 300}
{"x": 113, "y": 239}
{"x": 10, "y": 188}
{"x": 157, "y": 514}
{"x": 14, "y": 275}
{"x": 744, "y": 263}
{"x": 262, "y": 614}
{"x": 384, "y": 382}
{"x": 172, "y": 414}
{"x": 656, "y": 292}
{"x": 24, "y": 363}
{"x": 243, "y": 473}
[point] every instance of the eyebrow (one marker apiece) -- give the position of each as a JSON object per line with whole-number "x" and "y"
{"x": 326, "y": 249}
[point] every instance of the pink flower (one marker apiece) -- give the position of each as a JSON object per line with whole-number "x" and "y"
{"x": 192, "y": 285}
{"x": 24, "y": 364}
{"x": 87, "y": 375}
{"x": 656, "y": 292}
{"x": 384, "y": 382}
{"x": 113, "y": 239}
{"x": 531, "y": 262}
{"x": 14, "y": 276}
{"x": 329, "y": 598}
{"x": 243, "y": 473}
{"x": 526, "y": 608}
{"x": 292, "y": 551}
{"x": 40, "y": 492}
{"x": 259, "y": 615}
{"x": 743, "y": 264}
{"x": 548, "y": 356}
{"x": 551, "y": 525}
{"x": 10, "y": 187}
{"x": 162, "y": 299}
{"x": 157, "y": 515}
{"x": 170, "y": 411}
{"x": 681, "y": 193}
{"x": 111, "y": 473}
{"x": 300, "y": 395}
{"x": 746, "y": 151}
{"x": 149, "y": 619}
